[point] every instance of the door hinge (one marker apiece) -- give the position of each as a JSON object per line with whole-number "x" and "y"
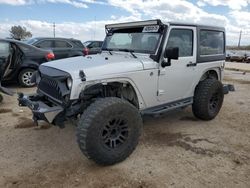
{"x": 160, "y": 92}
{"x": 161, "y": 72}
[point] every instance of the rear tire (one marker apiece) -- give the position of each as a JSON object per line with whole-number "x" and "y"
{"x": 109, "y": 130}
{"x": 208, "y": 99}
{"x": 25, "y": 76}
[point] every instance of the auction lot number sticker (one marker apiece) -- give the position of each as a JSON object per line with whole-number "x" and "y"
{"x": 150, "y": 28}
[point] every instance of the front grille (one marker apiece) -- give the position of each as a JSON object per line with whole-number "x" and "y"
{"x": 50, "y": 88}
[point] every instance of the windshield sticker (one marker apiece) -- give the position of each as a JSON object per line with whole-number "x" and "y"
{"x": 150, "y": 28}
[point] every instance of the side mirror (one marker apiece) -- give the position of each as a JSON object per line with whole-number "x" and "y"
{"x": 170, "y": 53}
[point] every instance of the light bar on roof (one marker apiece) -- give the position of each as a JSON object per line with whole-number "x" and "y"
{"x": 132, "y": 24}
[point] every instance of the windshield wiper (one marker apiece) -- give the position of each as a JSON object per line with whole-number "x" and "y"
{"x": 109, "y": 50}
{"x": 127, "y": 50}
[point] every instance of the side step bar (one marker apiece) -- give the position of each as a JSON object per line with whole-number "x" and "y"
{"x": 168, "y": 107}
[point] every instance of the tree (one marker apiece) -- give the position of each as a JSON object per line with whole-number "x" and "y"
{"x": 18, "y": 33}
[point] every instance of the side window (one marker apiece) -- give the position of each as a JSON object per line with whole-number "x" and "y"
{"x": 62, "y": 44}
{"x": 45, "y": 44}
{"x": 4, "y": 49}
{"x": 211, "y": 42}
{"x": 183, "y": 39}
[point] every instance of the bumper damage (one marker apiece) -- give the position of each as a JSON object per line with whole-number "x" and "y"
{"x": 41, "y": 110}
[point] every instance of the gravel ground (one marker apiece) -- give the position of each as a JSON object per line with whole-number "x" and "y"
{"x": 175, "y": 150}
{"x": 245, "y": 67}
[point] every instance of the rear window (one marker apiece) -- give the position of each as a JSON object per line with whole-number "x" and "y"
{"x": 100, "y": 44}
{"x": 211, "y": 42}
{"x": 77, "y": 43}
{"x": 31, "y": 41}
{"x": 94, "y": 45}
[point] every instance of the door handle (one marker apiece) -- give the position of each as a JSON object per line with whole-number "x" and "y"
{"x": 191, "y": 64}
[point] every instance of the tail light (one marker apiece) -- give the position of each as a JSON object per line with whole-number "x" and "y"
{"x": 85, "y": 51}
{"x": 50, "y": 56}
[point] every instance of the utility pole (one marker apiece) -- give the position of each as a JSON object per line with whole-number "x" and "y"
{"x": 95, "y": 28}
{"x": 239, "y": 39}
{"x": 54, "y": 29}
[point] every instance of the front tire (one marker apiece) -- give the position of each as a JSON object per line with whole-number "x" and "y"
{"x": 24, "y": 77}
{"x": 109, "y": 130}
{"x": 208, "y": 99}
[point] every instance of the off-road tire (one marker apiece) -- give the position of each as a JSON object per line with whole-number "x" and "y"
{"x": 111, "y": 119}
{"x": 21, "y": 77}
{"x": 208, "y": 99}
{"x": 1, "y": 98}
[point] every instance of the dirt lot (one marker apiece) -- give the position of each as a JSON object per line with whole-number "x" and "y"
{"x": 176, "y": 150}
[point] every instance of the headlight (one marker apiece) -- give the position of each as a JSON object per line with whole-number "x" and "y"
{"x": 69, "y": 83}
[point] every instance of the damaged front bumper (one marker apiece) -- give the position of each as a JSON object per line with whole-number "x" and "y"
{"x": 41, "y": 109}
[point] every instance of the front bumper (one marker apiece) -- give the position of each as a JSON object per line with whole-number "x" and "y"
{"x": 40, "y": 109}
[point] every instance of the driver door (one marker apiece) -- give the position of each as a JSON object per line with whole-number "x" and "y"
{"x": 176, "y": 81}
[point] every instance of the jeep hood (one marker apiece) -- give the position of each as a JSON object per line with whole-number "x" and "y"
{"x": 97, "y": 65}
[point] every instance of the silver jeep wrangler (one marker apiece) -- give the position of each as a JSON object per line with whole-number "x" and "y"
{"x": 146, "y": 67}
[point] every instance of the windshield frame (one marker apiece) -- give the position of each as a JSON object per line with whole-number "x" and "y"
{"x": 133, "y": 30}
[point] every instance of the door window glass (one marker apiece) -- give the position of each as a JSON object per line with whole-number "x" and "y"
{"x": 183, "y": 39}
{"x": 45, "y": 44}
{"x": 5, "y": 53}
{"x": 62, "y": 44}
{"x": 4, "y": 49}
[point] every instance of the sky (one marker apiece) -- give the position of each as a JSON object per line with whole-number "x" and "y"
{"x": 85, "y": 19}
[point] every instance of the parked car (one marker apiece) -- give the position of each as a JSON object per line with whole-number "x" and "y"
{"x": 20, "y": 60}
{"x": 247, "y": 60}
{"x": 145, "y": 68}
{"x": 92, "y": 47}
{"x": 62, "y": 47}
{"x": 238, "y": 57}
{"x": 229, "y": 54}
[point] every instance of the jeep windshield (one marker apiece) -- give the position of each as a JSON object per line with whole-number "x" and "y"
{"x": 138, "y": 40}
